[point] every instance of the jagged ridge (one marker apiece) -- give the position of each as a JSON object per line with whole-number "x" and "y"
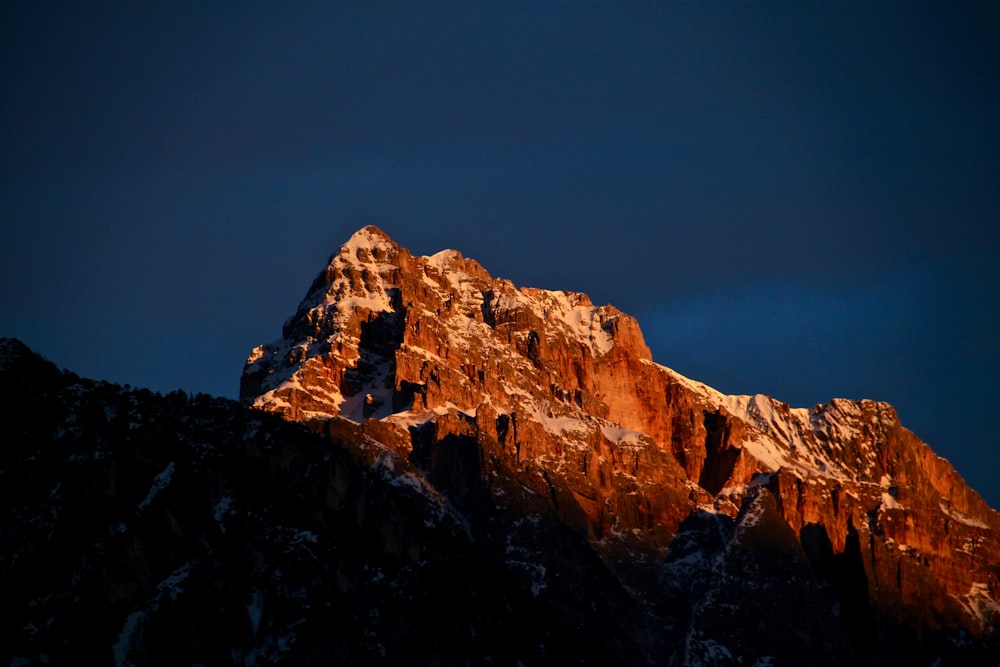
{"x": 561, "y": 401}
{"x": 142, "y": 529}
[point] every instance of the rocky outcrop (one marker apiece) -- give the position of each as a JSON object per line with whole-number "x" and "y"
{"x": 142, "y": 529}
{"x": 555, "y": 388}
{"x": 516, "y": 400}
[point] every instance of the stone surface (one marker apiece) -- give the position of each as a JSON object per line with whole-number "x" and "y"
{"x": 458, "y": 471}
{"x": 509, "y": 397}
{"x": 141, "y": 529}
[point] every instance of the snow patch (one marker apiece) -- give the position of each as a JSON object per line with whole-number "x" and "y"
{"x": 622, "y": 436}
{"x": 572, "y": 314}
{"x": 408, "y": 418}
{"x": 386, "y": 468}
{"x": 415, "y": 482}
{"x": 171, "y": 585}
{"x": 255, "y": 610}
{"x": 962, "y": 518}
{"x": 890, "y": 503}
{"x": 131, "y": 632}
{"x": 803, "y": 441}
{"x": 160, "y": 482}
{"x": 753, "y": 514}
{"x": 979, "y": 602}
{"x": 221, "y": 509}
{"x": 442, "y": 259}
{"x": 561, "y": 426}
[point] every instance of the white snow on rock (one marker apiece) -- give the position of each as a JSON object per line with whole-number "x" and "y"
{"x": 800, "y": 440}
{"x": 221, "y": 509}
{"x": 889, "y": 502}
{"x": 962, "y": 518}
{"x": 560, "y": 426}
{"x": 255, "y": 610}
{"x": 572, "y": 314}
{"x": 979, "y": 602}
{"x": 623, "y": 436}
{"x": 131, "y": 631}
{"x": 362, "y": 275}
{"x": 807, "y": 442}
{"x": 172, "y": 584}
{"x": 160, "y": 482}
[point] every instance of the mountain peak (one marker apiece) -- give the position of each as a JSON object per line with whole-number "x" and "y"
{"x": 513, "y": 455}
{"x": 373, "y": 285}
{"x": 562, "y": 399}
{"x": 369, "y": 238}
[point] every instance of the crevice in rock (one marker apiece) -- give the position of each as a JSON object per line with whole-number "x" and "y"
{"x": 720, "y": 456}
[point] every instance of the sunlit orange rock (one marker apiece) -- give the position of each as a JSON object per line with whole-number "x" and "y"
{"x": 518, "y": 395}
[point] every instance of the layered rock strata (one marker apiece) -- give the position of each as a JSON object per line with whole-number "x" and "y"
{"x": 507, "y": 397}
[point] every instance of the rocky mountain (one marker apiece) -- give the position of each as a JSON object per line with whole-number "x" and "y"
{"x": 433, "y": 466}
{"x": 142, "y": 529}
{"x": 744, "y": 529}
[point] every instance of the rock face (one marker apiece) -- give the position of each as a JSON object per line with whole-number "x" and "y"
{"x": 457, "y": 471}
{"x": 517, "y": 402}
{"x": 141, "y": 529}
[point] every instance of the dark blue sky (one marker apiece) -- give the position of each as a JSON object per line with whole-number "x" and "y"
{"x": 796, "y": 199}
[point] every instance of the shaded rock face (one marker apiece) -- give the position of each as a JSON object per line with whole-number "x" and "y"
{"x": 514, "y": 402}
{"x": 141, "y": 529}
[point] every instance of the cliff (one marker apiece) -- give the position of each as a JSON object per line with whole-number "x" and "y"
{"x": 518, "y": 397}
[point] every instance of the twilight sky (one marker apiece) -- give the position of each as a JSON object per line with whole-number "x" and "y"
{"x": 795, "y": 199}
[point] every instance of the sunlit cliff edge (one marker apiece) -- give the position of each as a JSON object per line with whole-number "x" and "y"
{"x": 433, "y": 466}
{"x": 560, "y": 407}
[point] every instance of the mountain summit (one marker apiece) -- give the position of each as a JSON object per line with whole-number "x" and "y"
{"x": 744, "y": 528}
{"x": 435, "y": 467}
